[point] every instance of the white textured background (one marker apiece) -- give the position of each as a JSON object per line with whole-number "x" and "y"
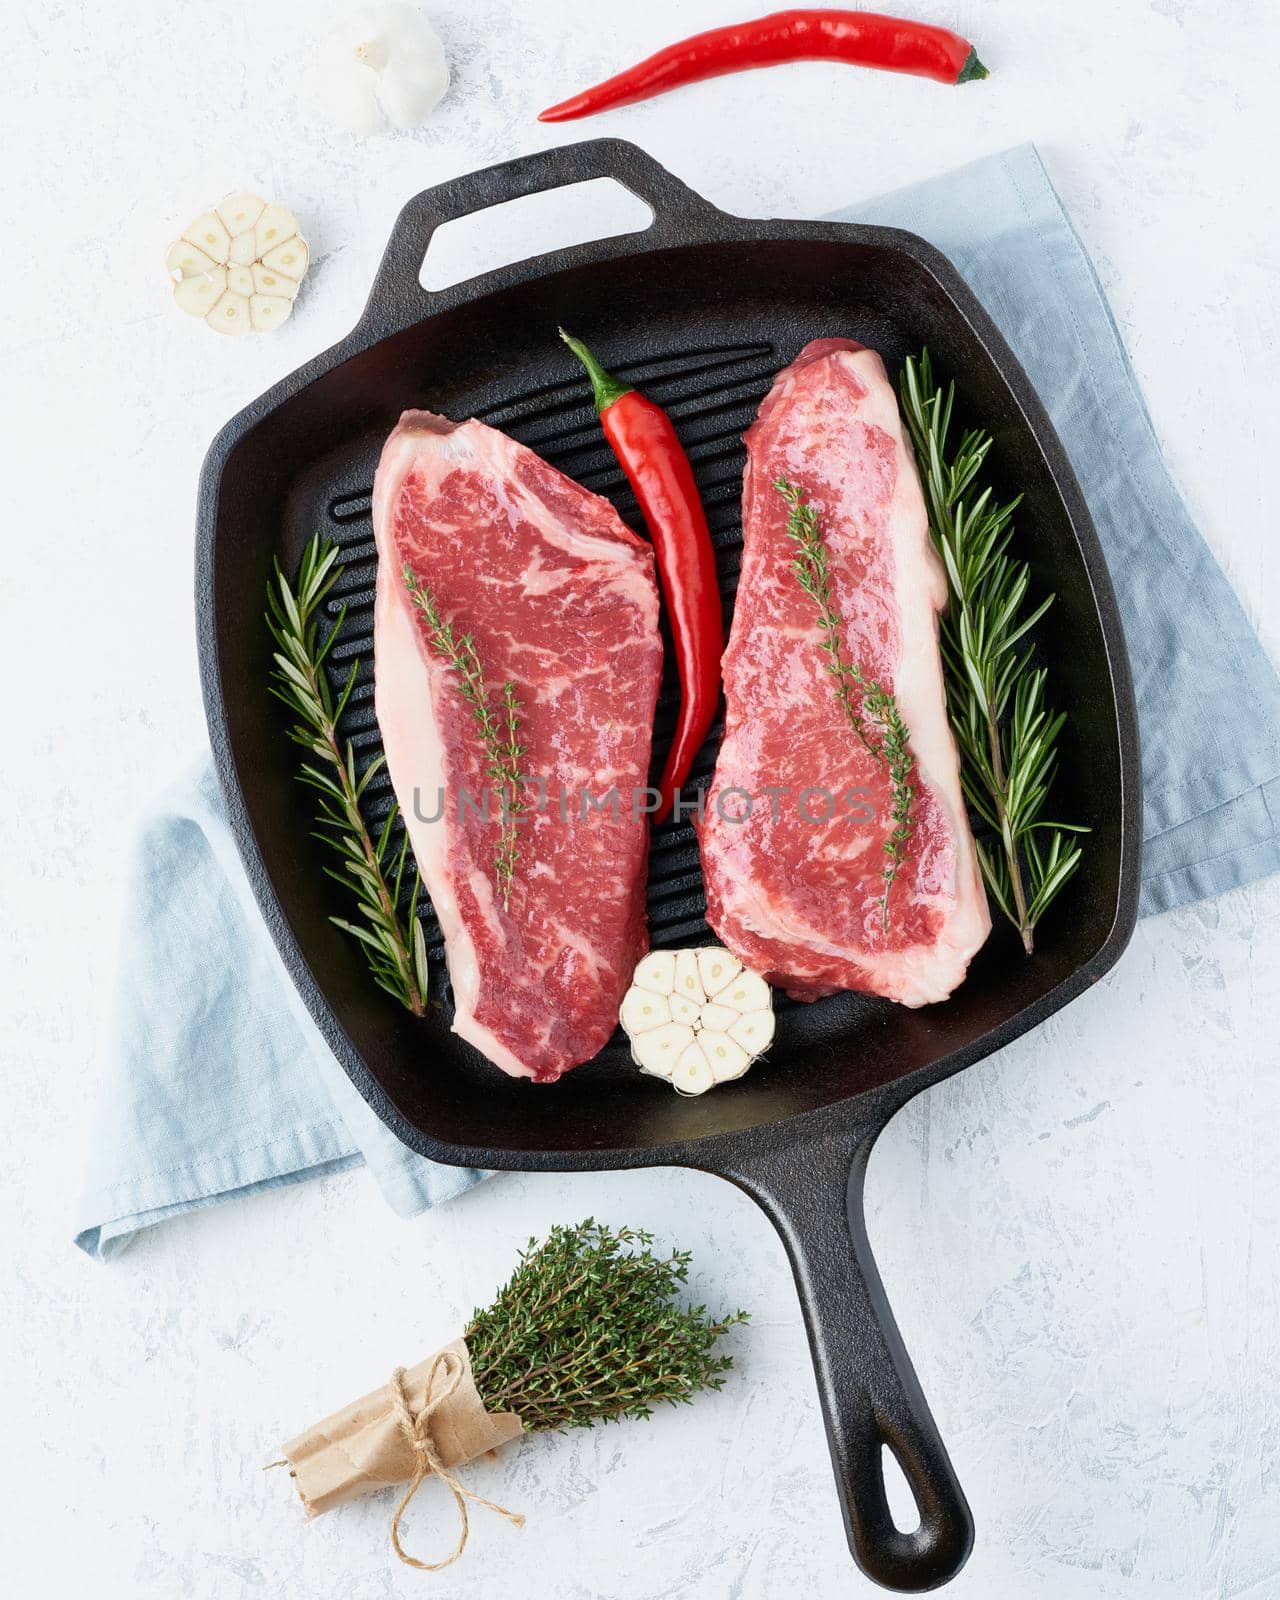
{"x": 1080, "y": 1237}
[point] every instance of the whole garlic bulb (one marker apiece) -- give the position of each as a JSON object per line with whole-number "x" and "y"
{"x": 381, "y": 67}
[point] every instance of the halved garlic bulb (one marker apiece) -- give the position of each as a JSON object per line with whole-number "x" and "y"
{"x": 240, "y": 265}
{"x": 696, "y": 1017}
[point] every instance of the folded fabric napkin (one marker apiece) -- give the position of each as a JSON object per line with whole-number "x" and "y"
{"x": 217, "y": 1082}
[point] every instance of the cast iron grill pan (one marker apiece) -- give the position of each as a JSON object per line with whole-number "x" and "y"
{"x": 700, "y": 310}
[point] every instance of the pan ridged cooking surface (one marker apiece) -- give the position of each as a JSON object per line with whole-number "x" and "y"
{"x": 713, "y": 395}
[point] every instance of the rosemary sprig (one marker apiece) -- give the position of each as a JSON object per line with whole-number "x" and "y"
{"x": 499, "y": 728}
{"x": 995, "y": 699}
{"x": 588, "y": 1330}
{"x": 873, "y": 703}
{"x": 395, "y": 949}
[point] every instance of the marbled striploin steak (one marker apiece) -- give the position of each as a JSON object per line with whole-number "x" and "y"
{"x": 561, "y": 602}
{"x": 795, "y": 892}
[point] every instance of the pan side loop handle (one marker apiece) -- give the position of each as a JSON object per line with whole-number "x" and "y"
{"x": 870, "y": 1395}
{"x": 398, "y": 298}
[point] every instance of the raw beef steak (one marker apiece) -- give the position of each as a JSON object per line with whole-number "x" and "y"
{"x": 561, "y": 602}
{"x": 795, "y": 892}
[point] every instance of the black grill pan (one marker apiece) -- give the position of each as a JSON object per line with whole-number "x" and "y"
{"x": 701, "y": 309}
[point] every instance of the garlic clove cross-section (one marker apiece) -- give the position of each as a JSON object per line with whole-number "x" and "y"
{"x": 239, "y": 212}
{"x": 692, "y": 1074}
{"x": 198, "y": 294}
{"x": 275, "y": 224}
{"x": 381, "y": 67}
{"x": 239, "y": 266}
{"x": 725, "y": 1056}
{"x": 656, "y": 973}
{"x": 643, "y": 1011}
{"x": 186, "y": 260}
{"x": 244, "y": 249}
{"x": 659, "y": 1049}
{"x": 209, "y": 233}
{"x": 230, "y": 314}
{"x": 684, "y": 1010}
{"x": 696, "y": 1017}
{"x": 267, "y": 311}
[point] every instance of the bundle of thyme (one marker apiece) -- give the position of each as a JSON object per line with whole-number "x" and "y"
{"x": 588, "y": 1329}
{"x": 498, "y": 727}
{"x": 872, "y": 703}
{"x": 393, "y": 946}
{"x": 995, "y": 699}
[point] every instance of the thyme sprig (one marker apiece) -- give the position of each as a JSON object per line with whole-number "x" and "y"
{"x": 995, "y": 698}
{"x": 504, "y": 769}
{"x": 863, "y": 700}
{"x": 588, "y": 1329}
{"x": 499, "y": 727}
{"x": 375, "y": 873}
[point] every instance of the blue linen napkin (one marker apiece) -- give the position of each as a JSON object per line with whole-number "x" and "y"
{"x": 217, "y": 1082}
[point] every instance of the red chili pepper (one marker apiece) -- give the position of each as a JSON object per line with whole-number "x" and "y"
{"x": 648, "y": 451}
{"x": 860, "y": 38}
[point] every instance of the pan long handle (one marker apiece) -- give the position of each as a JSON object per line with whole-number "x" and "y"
{"x": 398, "y": 298}
{"x": 870, "y": 1395}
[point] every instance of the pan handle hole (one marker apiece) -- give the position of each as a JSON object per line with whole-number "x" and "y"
{"x": 897, "y": 1491}
{"x": 576, "y": 213}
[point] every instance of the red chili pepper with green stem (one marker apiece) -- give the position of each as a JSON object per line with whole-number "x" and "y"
{"x": 859, "y": 38}
{"x": 643, "y": 439}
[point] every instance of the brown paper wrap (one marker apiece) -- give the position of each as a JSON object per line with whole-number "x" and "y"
{"x": 428, "y": 1419}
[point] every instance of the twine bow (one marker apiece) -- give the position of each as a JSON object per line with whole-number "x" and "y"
{"x": 416, "y": 1428}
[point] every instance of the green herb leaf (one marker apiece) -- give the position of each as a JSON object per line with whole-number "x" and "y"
{"x": 1008, "y": 753}
{"x": 872, "y": 703}
{"x": 393, "y": 949}
{"x": 498, "y": 729}
{"x": 588, "y": 1329}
